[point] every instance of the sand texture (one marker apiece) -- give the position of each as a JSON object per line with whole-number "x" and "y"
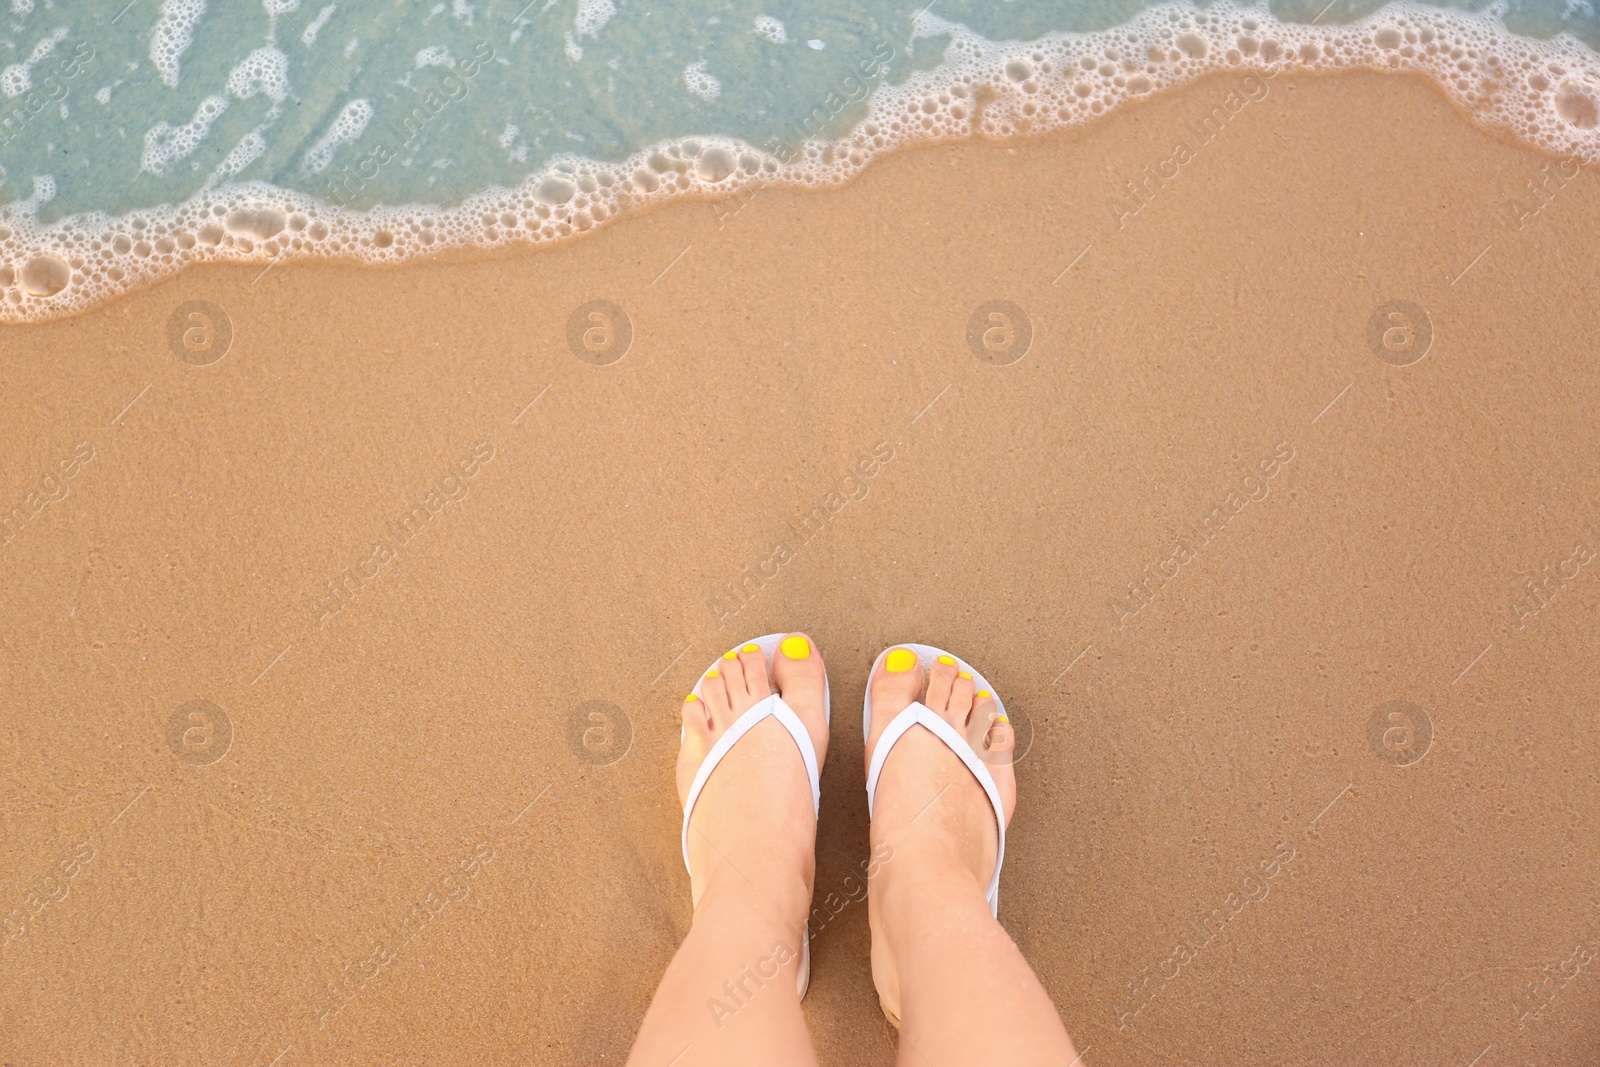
{"x": 1301, "y": 641}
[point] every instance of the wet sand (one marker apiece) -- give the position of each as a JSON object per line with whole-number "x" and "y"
{"x": 1300, "y": 639}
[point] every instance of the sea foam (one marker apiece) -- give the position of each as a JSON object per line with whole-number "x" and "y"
{"x": 1545, "y": 94}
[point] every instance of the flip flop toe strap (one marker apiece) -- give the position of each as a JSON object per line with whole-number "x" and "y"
{"x": 771, "y": 706}
{"x": 917, "y": 714}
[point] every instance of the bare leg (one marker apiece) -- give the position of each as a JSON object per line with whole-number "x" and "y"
{"x": 958, "y": 983}
{"x": 729, "y": 995}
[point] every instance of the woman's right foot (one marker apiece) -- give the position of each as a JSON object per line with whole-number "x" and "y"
{"x": 930, "y": 815}
{"x": 754, "y": 822}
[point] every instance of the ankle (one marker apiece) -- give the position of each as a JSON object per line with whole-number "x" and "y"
{"x": 927, "y": 874}
{"x": 772, "y": 889}
{"x": 953, "y": 840}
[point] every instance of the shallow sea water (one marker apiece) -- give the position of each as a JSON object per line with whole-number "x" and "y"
{"x": 139, "y": 136}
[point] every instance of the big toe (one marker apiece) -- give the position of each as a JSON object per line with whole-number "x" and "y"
{"x": 802, "y": 681}
{"x": 895, "y": 684}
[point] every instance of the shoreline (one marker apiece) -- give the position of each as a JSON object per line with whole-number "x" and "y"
{"x": 991, "y": 91}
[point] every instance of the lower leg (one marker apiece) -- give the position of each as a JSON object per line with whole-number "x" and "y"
{"x": 729, "y": 995}
{"x": 966, "y": 994}
{"x": 941, "y": 962}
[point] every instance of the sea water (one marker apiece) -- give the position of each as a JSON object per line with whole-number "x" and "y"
{"x": 137, "y": 136}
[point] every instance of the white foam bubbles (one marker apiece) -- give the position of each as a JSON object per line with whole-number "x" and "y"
{"x": 173, "y": 34}
{"x": 308, "y": 36}
{"x": 350, "y": 124}
{"x": 701, "y": 82}
{"x": 258, "y": 221}
{"x": 44, "y": 191}
{"x": 771, "y": 29}
{"x": 1543, "y": 93}
{"x": 165, "y": 144}
{"x": 1577, "y": 103}
{"x": 249, "y": 149}
{"x": 44, "y": 276}
{"x": 265, "y": 71}
{"x": 18, "y": 77}
{"x": 593, "y": 16}
{"x": 433, "y": 56}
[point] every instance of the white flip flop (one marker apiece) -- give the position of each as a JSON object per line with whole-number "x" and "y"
{"x": 918, "y": 714}
{"x": 771, "y": 706}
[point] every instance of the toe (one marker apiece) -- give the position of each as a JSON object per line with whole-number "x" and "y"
{"x": 733, "y": 677}
{"x": 988, "y": 731}
{"x": 895, "y": 684}
{"x": 753, "y": 668}
{"x": 960, "y": 706}
{"x": 696, "y": 720}
{"x": 802, "y": 682}
{"x": 697, "y": 742}
{"x": 992, "y": 737}
{"x": 940, "y": 678}
{"x": 714, "y": 691}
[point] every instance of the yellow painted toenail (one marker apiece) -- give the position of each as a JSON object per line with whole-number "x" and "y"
{"x": 713, "y": 674}
{"x": 751, "y": 648}
{"x": 1002, "y": 718}
{"x": 690, "y": 699}
{"x": 900, "y": 661}
{"x": 948, "y": 661}
{"x": 796, "y": 647}
{"x": 964, "y": 674}
{"x": 983, "y": 694}
{"x": 730, "y": 654}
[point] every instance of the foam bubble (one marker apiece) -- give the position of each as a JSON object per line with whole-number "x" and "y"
{"x": 1545, "y": 94}
{"x": 259, "y": 222}
{"x": 771, "y": 29}
{"x": 1576, "y": 103}
{"x": 701, "y": 82}
{"x": 44, "y": 191}
{"x": 265, "y": 71}
{"x": 434, "y": 56}
{"x": 173, "y": 34}
{"x": 349, "y": 125}
{"x": 714, "y": 164}
{"x": 250, "y": 148}
{"x": 45, "y": 275}
{"x": 308, "y": 37}
{"x": 593, "y": 15}
{"x": 18, "y": 77}
{"x": 165, "y": 144}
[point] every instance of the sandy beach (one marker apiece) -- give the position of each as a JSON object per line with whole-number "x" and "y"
{"x": 1245, "y": 438}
